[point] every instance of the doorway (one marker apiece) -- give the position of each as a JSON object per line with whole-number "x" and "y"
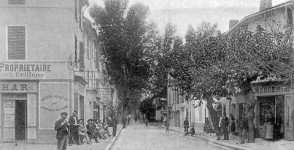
{"x": 14, "y": 114}
{"x": 271, "y": 110}
{"x": 20, "y": 119}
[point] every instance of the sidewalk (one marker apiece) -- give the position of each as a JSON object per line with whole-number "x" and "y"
{"x": 234, "y": 142}
{"x": 94, "y": 146}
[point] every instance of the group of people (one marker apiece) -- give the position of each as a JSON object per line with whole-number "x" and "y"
{"x": 229, "y": 125}
{"x": 74, "y": 131}
{"x": 225, "y": 124}
{"x": 186, "y": 126}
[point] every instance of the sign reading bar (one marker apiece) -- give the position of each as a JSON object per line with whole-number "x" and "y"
{"x": 271, "y": 89}
{"x": 34, "y": 70}
{"x": 18, "y": 87}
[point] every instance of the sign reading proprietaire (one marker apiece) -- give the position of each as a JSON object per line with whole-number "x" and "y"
{"x": 33, "y": 70}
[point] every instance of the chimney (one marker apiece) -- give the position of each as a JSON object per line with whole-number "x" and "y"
{"x": 232, "y": 23}
{"x": 265, "y": 4}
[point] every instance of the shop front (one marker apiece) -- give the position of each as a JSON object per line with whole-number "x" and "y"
{"x": 32, "y": 94}
{"x": 273, "y": 112}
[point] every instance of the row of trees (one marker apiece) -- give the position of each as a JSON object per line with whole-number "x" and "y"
{"x": 213, "y": 65}
{"x": 205, "y": 64}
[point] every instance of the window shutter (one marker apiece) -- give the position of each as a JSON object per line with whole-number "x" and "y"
{"x": 82, "y": 51}
{"x": 16, "y": 2}
{"x": 76, "y": 49}
{"x": 16, "y": 42}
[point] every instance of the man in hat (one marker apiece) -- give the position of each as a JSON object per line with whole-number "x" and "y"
{"x": 243, "y": 125}
{"x": 91, "y": 130}
{"x": 61, "y": 126}
{"x": 74, "y": 129}
{"x": 224, "y": 124}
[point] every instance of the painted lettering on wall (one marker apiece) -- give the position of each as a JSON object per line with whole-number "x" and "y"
{"x": 18, "y": 87}
{"x": 271, "y": 89}
{"x": 17, "y": 67}
{"x": 24, "y": 70}
{"x": 54, "y": 103}
{"x": 15, "y": 87}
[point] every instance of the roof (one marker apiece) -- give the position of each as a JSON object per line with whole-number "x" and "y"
{"x": 247, "y": 18}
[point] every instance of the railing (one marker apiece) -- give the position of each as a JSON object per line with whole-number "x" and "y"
{"x": 92, "y": 77}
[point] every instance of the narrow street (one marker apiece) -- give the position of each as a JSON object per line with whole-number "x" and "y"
{"x": 140, "y": 137}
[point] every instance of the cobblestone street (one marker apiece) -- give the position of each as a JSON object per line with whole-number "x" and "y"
{"x": 140, "y": 137}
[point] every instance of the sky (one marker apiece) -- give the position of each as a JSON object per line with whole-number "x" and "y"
{"x": 183, "y": 13}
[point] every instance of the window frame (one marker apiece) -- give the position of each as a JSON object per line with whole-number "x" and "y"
{"x": 26, "y": 31}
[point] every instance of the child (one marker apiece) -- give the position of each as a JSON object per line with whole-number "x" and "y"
{"x": 192, "y": 130}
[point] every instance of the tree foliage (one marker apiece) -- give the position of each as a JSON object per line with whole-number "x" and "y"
{"x": 123, "y": 34}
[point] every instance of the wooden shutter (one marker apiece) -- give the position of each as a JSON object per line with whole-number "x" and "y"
{"x": 76, "y": 49}
{"x": 82, "y": 51}
{"x": 16, "y": 42}
{"x": 16, "y": 2}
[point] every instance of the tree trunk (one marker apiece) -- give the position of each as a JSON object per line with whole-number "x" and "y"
{"x": 250, "y": 117}
{"x": 250, "y": 104}
{"x": 214, "y": 116}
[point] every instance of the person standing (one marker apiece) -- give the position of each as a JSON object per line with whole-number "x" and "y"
{"x": 114, "y": 125}
{"x": 61, "y": 126}
{"x": 243, "y": 128}
{"x": 129, "y": 118}
{"x": 146, "y": 121}
{"x": 224, "y": 126}
{"x": 186, "y": 125}
{"x": 74, "y": 129}
{"x": 232, "y": 124}
{"x": 167, "y": 125}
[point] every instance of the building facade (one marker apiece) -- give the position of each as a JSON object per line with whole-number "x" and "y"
{"x": 274, "y": 99}
{"x": 48, "y": 65}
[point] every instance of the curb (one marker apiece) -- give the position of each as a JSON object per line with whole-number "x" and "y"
{"x": 109, "y": 146}
{"x": 230, "y": 146}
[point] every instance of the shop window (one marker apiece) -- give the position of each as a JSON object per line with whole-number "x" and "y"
{"x": 16, "y": 41}
{"x": 290, "y": 17}
{"x": 16, "y": 2}
{"x": 266, "y": 109}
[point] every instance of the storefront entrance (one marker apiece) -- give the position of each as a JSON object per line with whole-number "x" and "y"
{"x": 20, "y": 119}
{"x": 271, "y": 111}
{"x": 14, "y": 117}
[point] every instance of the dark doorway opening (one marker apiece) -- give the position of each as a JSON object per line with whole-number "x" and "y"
{"x": 20, "y": 119}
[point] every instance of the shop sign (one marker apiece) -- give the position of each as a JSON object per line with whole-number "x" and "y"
{"x": 53, "y": 103}
{"x": 53, "y": 99}
{"x": 18, "y": 87}
{"x": 271, "y": 89}
{"x": 33, "y": 70}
